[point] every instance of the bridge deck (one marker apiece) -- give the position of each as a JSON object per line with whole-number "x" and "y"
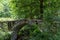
{"x": 6, "y": 19}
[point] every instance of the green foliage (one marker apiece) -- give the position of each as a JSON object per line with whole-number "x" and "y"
{"x": 47, "y": 30}
{"x": 26, "y": 8}
{"x": 5, "y": 10}
{"x": 4, "y": 35}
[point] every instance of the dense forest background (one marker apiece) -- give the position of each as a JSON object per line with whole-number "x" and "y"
{"x": 48, "y": 12}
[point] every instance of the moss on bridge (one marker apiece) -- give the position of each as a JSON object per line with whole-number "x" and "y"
{"x": 6, "y": 19}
